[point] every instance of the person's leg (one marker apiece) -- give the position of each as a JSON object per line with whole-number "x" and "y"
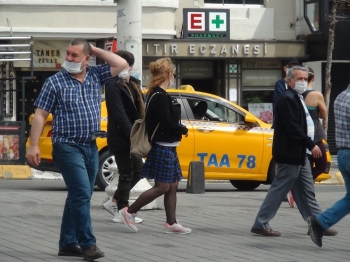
{"x": 76, "y": 221}
{"x": 124, "y": 163}
{"x": 319, "y": 165}
{"x": 170, "y": 203}
{"x": 304, "y": 192}
{"x": 92, "y": 165}
{"x": 284, "y": 180}
{"x": 148, "y": 196}
{"x": 342, "y": 207}
{"x": 137, "y": 165}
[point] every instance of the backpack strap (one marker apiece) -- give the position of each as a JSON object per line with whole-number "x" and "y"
{"x": 148, "y": 102}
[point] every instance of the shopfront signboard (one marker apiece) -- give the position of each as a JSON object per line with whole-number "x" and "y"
{"x": 206, "y": 23}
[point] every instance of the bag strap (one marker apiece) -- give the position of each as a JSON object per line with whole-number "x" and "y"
{"x": 148, "y": 102}
{"x": 154, "y": 132}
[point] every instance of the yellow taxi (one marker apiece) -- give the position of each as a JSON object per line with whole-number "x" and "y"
{"x": 232, "y": 143}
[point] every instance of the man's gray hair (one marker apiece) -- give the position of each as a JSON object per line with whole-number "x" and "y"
{"x": 290, "y": 71}
{"x": 86, "y": 45}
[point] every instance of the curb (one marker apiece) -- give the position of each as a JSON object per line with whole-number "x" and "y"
{"x": 13, "y": 172}
{"x": 24, "y": 172}
{"x": 336, "y": 179}
{"x": 340, "y": 178}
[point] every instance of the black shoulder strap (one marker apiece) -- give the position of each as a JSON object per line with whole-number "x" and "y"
{"x": 306, "y": 93}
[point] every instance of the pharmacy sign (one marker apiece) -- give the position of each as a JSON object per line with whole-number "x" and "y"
{"x": 206, "y": 23}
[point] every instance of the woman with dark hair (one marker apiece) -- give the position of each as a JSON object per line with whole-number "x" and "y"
{"x": 315, "y": 104}
{"x": 162, "y": 163}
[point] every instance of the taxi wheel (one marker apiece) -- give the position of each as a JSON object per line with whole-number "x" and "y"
{"x": 245, "y": 185}
{"x": 105, "y": 175}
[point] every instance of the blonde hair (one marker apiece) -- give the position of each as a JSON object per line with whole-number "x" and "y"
{"x": 160, "y": 71}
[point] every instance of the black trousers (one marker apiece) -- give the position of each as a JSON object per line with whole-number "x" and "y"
{"x": 129, "y": 168}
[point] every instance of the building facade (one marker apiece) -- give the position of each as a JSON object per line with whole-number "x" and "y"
{"x": 239, "y": 56}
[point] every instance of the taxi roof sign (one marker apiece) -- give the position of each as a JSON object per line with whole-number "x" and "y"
{"x": 186, "y": 87}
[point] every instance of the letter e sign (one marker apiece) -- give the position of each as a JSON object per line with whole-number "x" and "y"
{"x": 196, "y": 21}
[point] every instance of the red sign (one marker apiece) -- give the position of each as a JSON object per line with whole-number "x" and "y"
{"x": 196, "y": 21}
{"x": 111, "y": 46}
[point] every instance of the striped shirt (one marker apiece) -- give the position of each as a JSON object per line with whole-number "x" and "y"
{"x": 75, "y": 106}
{"x": 342, "y": 119}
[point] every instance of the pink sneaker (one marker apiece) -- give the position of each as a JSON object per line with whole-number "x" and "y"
{"x": 290, "y": 199}
{"x": 129, "y": 219}
{"x": 176, "y": 228}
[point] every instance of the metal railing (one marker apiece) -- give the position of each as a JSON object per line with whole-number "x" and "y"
{"x": 9, "y": 53}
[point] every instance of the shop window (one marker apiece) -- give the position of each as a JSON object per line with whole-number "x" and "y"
{"x": 259, "y": 103}
{"x": 312, "y": 14}
{"x": 236, "y": 2}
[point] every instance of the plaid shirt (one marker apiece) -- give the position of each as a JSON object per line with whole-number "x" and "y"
{"x": 76, "y": 107}
{"x": 342, "y": 119}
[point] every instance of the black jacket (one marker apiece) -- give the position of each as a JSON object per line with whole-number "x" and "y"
{"x": 290, "y": 138}
{"x": 122, "y": 111}
{"x": 163, "y": 110}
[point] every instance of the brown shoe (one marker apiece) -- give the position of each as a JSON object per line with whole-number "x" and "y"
{"x": 92, "y": 253}
{"x": 71, "y": 252}
{"x": 264, "y": 232}
{"x": 328, "y": 232}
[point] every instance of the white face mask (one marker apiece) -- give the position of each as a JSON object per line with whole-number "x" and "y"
{"x": 124, "y": 74}
{"x": 171, "y": 82}
{"x": 300, "y": 86}
{"x": 73, "y": 67}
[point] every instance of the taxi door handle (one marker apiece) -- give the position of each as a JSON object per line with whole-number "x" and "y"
{"x": 205, "y": 129}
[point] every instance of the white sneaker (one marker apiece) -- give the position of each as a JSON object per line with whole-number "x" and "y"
{"x": 176, "y": 228}
{"x": 129, "y": 219}
{"x": 118, "y": 219}
{"x": 110, "y": 207}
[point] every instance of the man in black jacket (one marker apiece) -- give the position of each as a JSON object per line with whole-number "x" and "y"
{"x": 293, "y": 136}
{"x": 124, "y": 104}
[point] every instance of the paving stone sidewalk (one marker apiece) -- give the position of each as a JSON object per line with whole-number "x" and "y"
{"x": 30, "y": 215}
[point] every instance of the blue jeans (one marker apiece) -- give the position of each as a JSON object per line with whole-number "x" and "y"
{"x": 341, "y": 208}
{"x": 79, "y": 166}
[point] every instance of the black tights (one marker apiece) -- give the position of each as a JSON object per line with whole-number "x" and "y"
{"x": 160, "y": 188}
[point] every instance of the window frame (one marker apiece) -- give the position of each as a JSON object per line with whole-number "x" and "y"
{"x": 190, "y": 114}
{"x": 309, "y": 24}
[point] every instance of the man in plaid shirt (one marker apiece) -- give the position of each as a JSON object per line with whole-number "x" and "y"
{"x": 73, "y": 96}
{"x": 319, "y": 223}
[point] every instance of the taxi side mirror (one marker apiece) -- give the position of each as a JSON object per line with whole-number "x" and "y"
{"x": 249, "y": 119}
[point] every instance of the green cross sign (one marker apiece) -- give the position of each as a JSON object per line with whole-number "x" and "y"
{"x": 217, "y": 21}
{"x": 233, "y": 69}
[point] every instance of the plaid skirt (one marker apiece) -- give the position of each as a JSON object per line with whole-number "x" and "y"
{"x": 162, "y": 164}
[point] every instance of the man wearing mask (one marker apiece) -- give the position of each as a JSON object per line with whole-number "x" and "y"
{"x": 281, "y": 86}
{"x": 73, "y": 96}
{"x": 292, "y": 140}
{"x": 124, "y": 104}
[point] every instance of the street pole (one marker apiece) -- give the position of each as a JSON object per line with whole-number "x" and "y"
{"x": 129, "y": 38}
{"x": 129, "y": 31}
